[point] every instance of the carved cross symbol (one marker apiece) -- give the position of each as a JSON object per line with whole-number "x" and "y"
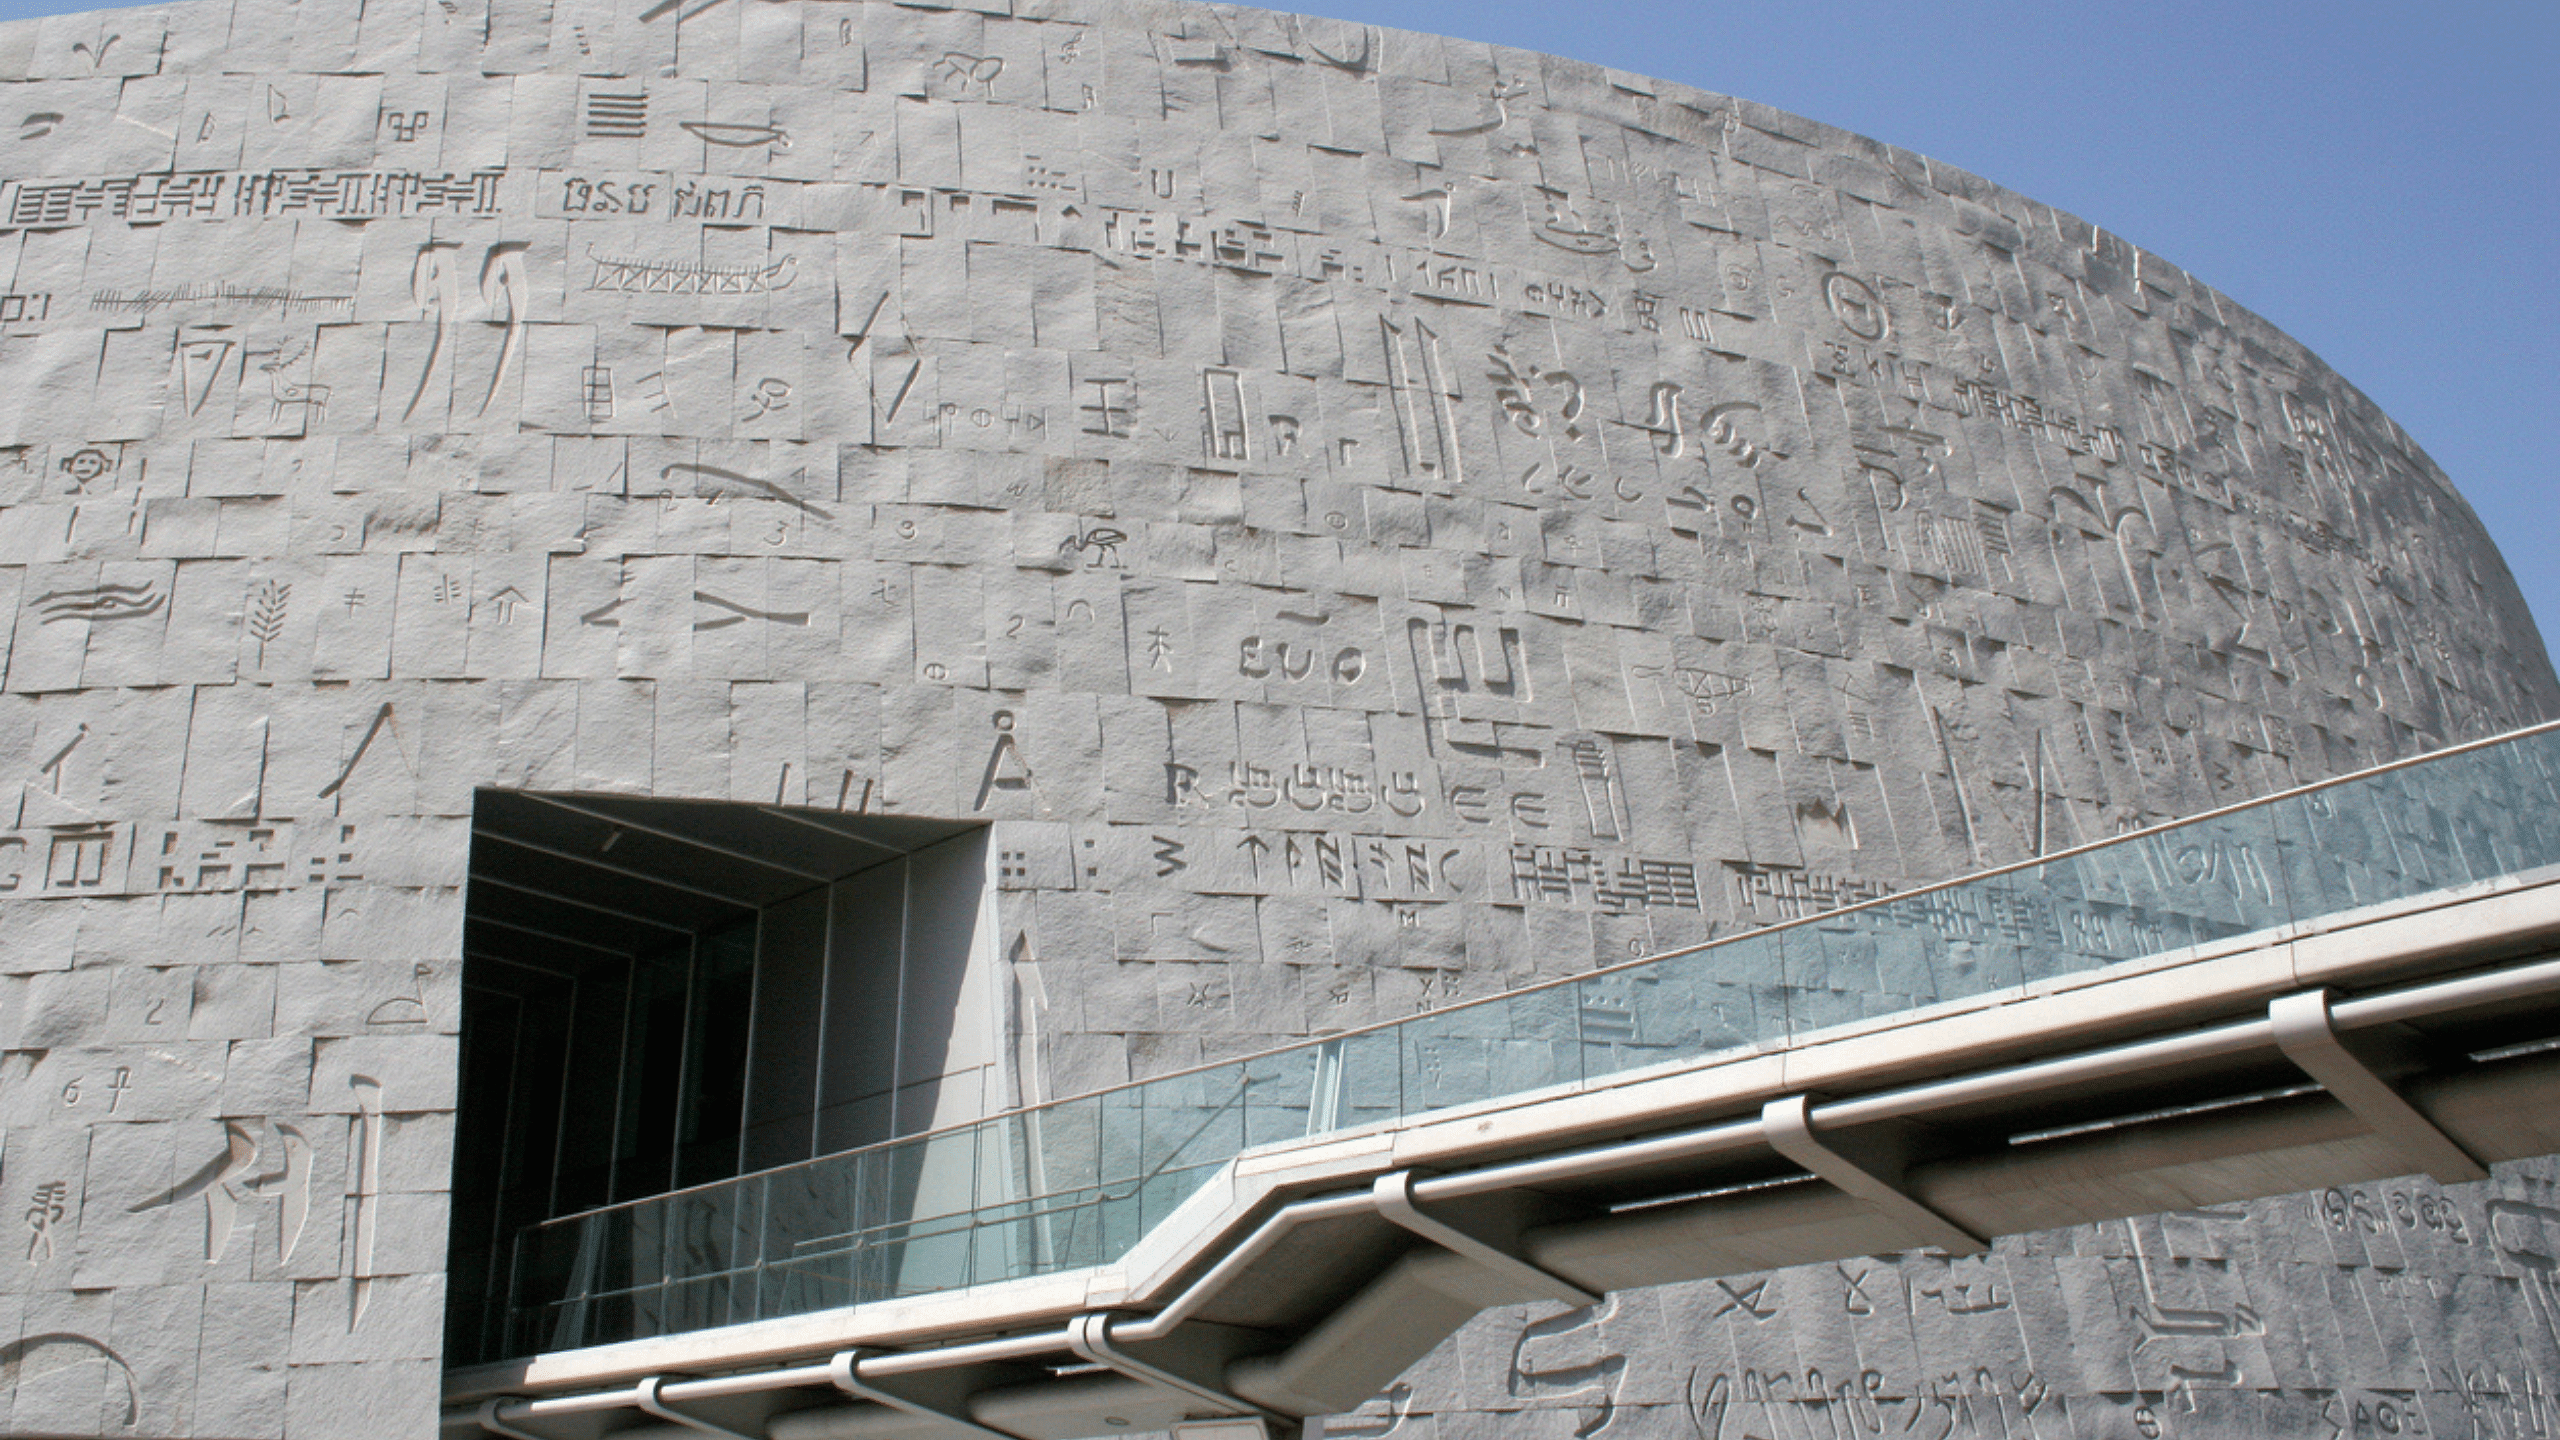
{"x": 1747, "y": 1300}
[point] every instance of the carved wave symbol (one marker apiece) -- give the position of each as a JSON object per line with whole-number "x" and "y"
{"x": 101, "y": 602}
{"x": 662, "y": 277}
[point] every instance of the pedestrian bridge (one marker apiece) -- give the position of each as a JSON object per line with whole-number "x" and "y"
{"x": 2341, "y": 983}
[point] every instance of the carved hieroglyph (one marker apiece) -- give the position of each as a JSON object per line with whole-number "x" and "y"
{"x": 1372, "y": 519}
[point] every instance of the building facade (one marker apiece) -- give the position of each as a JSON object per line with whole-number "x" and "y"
{"x": 1206, "y": 527}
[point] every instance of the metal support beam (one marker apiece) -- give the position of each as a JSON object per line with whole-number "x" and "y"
{"x": 845, "y": 1369}
{"x": 483, "y": 832}
{"x": 559, "y": 899}
{"x": 1392, "y": 1193}
{"x": 646, "y": 1395}
{"x": 607, "y": 817}
{"x": 550, "y": 935}
{"x": 1788, "y": 1126}
{"x": 1089, "y": 1336}
{"x": 2308, "y": 1035}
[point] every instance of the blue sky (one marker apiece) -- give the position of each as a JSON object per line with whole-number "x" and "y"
{"x": 2379, "y": 179}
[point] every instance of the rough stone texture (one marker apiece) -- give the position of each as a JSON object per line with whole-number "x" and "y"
{"x": 1373, "y": 519}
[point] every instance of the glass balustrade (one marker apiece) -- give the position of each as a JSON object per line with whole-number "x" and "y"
{"x": 1076, "y": 1183}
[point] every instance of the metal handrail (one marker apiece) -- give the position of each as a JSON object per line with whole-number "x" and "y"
{"x": 964, "y": 1217}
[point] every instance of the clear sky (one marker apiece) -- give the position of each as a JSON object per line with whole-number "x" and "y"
{"x": 2380, "y": 178}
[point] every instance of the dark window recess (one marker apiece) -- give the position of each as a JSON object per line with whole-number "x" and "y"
{"x": 660, "y": 994}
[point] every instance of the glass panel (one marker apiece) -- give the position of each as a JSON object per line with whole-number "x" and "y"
{"x": 1078, "y": 1182}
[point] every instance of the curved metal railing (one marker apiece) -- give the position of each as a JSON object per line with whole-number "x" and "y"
{"x": 1076, "y": 1182}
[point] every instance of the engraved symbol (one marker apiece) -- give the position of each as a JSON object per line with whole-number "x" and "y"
{"x": 668, "y": 277}
{"x": 1159, "y": 649}
{"x": 740, "y": 614}
{"x": 1818, "y": 525}
{"x": 618, "y": 117}
{"x": 1857, "y": 1301}
{"x": 770, "y": 394}
{"x": 1722, "y": 430}
{"x": 1747, "y": 1300}
{"x": 1339, "y": 54}
{"x": 266, "y": 613}
{"x": 595, "y": 391}
{"x": 504, "y": 604}
{"x": 738, "y": 136}
{"x": 964, "y": 71}
{"x": 1110, "y": 413}
{"x": 215, "y": 1181}
{"x": 1569, "y": 1375}
{"x": 1006, "y": 769}
{"x": 1101, "y": 542}
{"x": 1442, "y": 653}
{"x": 86, "y": 464}
{"x": 1222, "y": 401}
{"x": 97, "y": 56}
{"x": 1669, "y": 439}
{"x": 1169, "y": 856}
{"x": 101, "y": 602}
{"x": 278, "y": 111}
{"x": 899, "y": 401}
{"x": 1565, "y": 229}
{"x": 409, "y": 1009}
{"x": 60, "y": 1351}
{"x": 652, "y": 13}
{"x": 1501, "y": 93}
{"x": 502, "y": 282}
{"x": 405, "y": 125}
{"x": 1435, "y": 215}
{"x": 1515, "y": 391}
{"x": 1426, "y": 425}
{"x": 437, "y": 291}
{"x": 1603, "y": 799}
{"x": 367, "y": 1196}
{"x": 313, "y": 400}
{"x": 382, "y": 719}
{"x": 52, "y": 769}
{"x": 46, "y": 1211}
{"x": 1854, "y": 304}
{"x": 199, "y": 367}
{"x": 761, "y": 486}
{"x": 39, "y": 124}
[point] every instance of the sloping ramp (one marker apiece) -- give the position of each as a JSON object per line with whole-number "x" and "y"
{"x": 2349, "y": 982}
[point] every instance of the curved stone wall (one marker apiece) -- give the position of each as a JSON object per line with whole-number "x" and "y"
{"x": 1372, "y": 519}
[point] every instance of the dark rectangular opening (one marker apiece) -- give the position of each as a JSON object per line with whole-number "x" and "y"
{"x": 661, "y": 994}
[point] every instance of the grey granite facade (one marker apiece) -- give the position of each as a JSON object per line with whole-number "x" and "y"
{"x": 1370, "y": 520}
